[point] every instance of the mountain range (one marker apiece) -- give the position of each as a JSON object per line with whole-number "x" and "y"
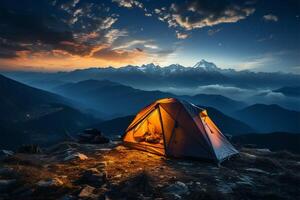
{"x": 151, "y": 76}
{"x": 117, "y": 99}
{"x": 31, "y": 115}
{"x": 202, "y": 78}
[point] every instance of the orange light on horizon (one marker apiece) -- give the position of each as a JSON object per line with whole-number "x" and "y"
{"x": 59, "y": 60}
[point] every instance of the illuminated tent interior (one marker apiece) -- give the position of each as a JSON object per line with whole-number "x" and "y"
{"x": 175, "y": 128}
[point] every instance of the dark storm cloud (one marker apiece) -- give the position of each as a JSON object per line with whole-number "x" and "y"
{"x": 73, "y": 26}
{"x": 8, "y": 50}
{"x": 25, "y": 25}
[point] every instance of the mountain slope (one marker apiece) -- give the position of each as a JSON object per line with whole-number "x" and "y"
{"x": 110, "y": 97}
{"x": 278, "y": 141}
{"x": 118, "y": 99}
{"x": 270, "y": 118}
{"x": 227, "y": 124}
{"x": 18, "y": 100}
{"x": 30, "y": 115}
{"x": 220, "y": 102}
{"x": 289, "y": 91}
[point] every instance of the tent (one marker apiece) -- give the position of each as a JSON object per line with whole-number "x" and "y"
{"x": 176, "y": 128}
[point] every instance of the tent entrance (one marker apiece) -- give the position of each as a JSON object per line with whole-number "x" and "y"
{"x": 148, "y": 133}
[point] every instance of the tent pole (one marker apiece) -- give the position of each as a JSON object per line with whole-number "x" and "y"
{"x": 162, "y": 128}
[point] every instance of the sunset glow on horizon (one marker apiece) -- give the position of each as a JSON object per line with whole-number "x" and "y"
{"x": 75, "y": 34}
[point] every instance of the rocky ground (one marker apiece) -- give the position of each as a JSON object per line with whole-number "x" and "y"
{"x": 79, "y": 171}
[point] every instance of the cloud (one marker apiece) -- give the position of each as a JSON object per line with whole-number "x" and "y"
{"x": 138, "y": 44}
{"x": 270, "y": 17}
{"x": 69, "y": 4}
{"x": 181, "y": 35}
{"x": 229, "y": 16}
{"x": 100, "y": 56}
{"x": 151, "y": 46}
{"x": 157, "y": 11}
{"x": 9, "y": 50}
{"x": 128, "y": 3}
{"x": 257, "y": 95}
{"x": 108, "y": 22}
{"x": 114, "y": 34}
{"x": 198, "y": 14}
{"x": 68, "y": 34}
{"x": 256, "y": 63}
{"x": 228, "y": 91}
{"x": 132, "y": 43}
{"x": 270, "y": 37}
{"x": 211, "y": 32}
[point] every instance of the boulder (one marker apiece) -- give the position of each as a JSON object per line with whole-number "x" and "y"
{"x": 5, "y": 153}
{"x": 6, "y": 171}
{"x": 6, "y": 184}
{"x": 87, "y": 192}
{"x": 30, "y": 149}
{"x": 257, "y": 170}
{"x": 50, "y": 182}
{"x": 177, "y": 189}
{"x": 92, "y": 177}
{"x": 92, "y": 136}
{"x": 76, "y": 156}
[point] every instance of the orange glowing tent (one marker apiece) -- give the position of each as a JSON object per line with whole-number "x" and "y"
{"x": 176, "y": 128}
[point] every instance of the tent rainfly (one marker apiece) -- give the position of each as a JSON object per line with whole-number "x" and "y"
{"x": 176, "y": 128}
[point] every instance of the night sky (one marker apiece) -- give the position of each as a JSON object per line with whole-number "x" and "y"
{"x": 54, "y": 35}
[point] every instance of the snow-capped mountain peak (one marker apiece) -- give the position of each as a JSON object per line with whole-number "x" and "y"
{"x": 206, "y": 65}
{"x": 175, "y": 67}
{"x": 149, "y": 67}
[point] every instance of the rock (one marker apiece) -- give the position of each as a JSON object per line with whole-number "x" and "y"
{"x": 185, "y": 163}
{"x": 92, "y": 177}
{"x": 62, "y": 147}
{"x": 87, "y": 191}
{"x": 50, "y": 182}
{"x": 172, "y": 196}
{"x": 7, "y": 152}
{"x": 178, "y": 188}
{"x": 118, "y": 176}
{"x": 30, "y": 149}
{"x": 245, "y": 180}
{"x": 68, "y": 197}
{"x": 24, "y": 191}
{"x": 76, "y": 156}
{"x": 248, "y": 155}
{"x": 257, "y": 170}
{"x": 102, "y": 165}
{"x": 103, "y": 149}
{"x": 120, "y": 148}
{"x": 92, "y": 136}
{"x": 263, "y": 150}
{"x": 6, "y": 170}
{"x": 225, "y": 187}
{"x": 6, "y": 184}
